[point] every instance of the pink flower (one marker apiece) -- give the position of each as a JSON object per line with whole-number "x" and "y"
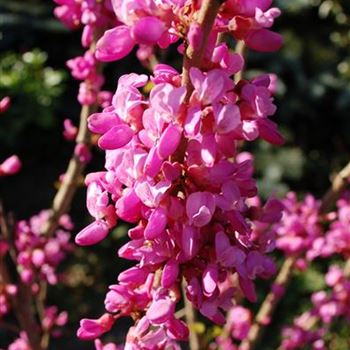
{"x": 70, "y": 131}
{"x": 200, "y": 207}
{"x": 93, "y": 233}
{"x": 239, "y": 321}
{"x": 5, "y": 104}
{"x": 91, "y": 329}
{"x": 10, "y": 166}
{"x": 115, "y": 44}
{"x": 148, "y": 30}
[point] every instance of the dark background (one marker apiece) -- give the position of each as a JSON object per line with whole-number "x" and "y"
{"x": 313, "y": 101}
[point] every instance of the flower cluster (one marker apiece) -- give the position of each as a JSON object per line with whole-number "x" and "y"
{"x": 52, "y": 323}
{"x": 37, "y": 258}
{"x": 307, "y": 233}
{"x": 311, "y": 326}
{"x": 39, "y": 255}
{"x": 336, "y": 240}
{"x": 95, "y": 16}
{"x": 299, "y": 226}
{"x": 164, "y": 22}
{"x": 238, "y": 322}
{"x": 90, "y": 14}
{"x": 173, "y": 169}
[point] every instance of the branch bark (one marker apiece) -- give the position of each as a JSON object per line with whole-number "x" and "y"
{"x": 64, "y": 196}
{"x": 192, "y": 57}
{"x": 283, "y": 278}
{"x": 190, "y": 316}
{"x": 22, "y": 301}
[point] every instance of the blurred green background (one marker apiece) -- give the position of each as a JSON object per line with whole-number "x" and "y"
{"x": 313, "y": 101}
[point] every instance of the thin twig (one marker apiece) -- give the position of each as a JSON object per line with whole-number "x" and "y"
{"x": 267, "y": 308}
{"x": 64, "y": 196}
{"x": 193, "y": 57}
{"x": 240, "y": 49}
{"x": 283, "y": 278}
{"x": 190, "y": 320}
{"x": 22, "y": 301}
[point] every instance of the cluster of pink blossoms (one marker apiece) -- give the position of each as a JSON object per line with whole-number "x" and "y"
{"x": 336, "y": 239}
{"x": 95, "y": 17}
{"x": 306, "y": 233}
{"x": 173, "y": 169}
{"x": 164, "y": 22}
{"x": 311, "y": 326}
{"x": 238, "y": 322}
{"x": 38, "y": 255}
{"x": 37, "y": 259}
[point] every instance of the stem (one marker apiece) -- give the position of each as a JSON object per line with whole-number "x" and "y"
{"x": 283, "y": 278}
{"x": 190, "y": 320}
{"x": 268, "y": 306}
{"x": 64, "y": 196}
{"x": 240, "y": 49}
{"x": 192, "y": 57}
{"x": 22, "y": 301}
{"x": 339, "y": 183}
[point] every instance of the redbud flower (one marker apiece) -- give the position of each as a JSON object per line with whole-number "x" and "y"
{"x": 10, "y": 166}
{"x": 5, "y": 104}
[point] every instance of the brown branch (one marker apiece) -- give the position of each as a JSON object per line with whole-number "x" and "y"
{"x": 339, "y": 183}
{"x": 190, "y": 316}
{"x": 268, "y": 306}
{"x": 22, "y": 301}
{"x": 283, "y": 278}
{"x": 240, "y": 49}
{"x": 193, "y": 58}
{"x": 64, "y": 196}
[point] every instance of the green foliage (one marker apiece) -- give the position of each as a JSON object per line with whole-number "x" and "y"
{"x": 313, "y": 97}
{"x": 34, "y": 89}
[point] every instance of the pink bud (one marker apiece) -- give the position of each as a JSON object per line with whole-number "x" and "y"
{"x": 170, "y": 273}
{"x": 100, "y": 123}
{"x": 148, "y": 30}
{"x": 115, "y": 44}
{"x": 160, "y": 311}
{"x": 91, "y": 329}
{"x": 177, "y": 329}
{"x": 169, "y": 141}
{"x": 116, "y": 137}
{"x": 264, "y": 40}
{"x": 38, "y": 257}
{"x": 70, "y": 131}
{"x": 5, "y": 104}
{"x": 93, "y": 233}
{"x": 10, "y": 166}
{"x": 82, "y": 151}
{"x": 129, "y": 207}
{"x": 156, "y": 224}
